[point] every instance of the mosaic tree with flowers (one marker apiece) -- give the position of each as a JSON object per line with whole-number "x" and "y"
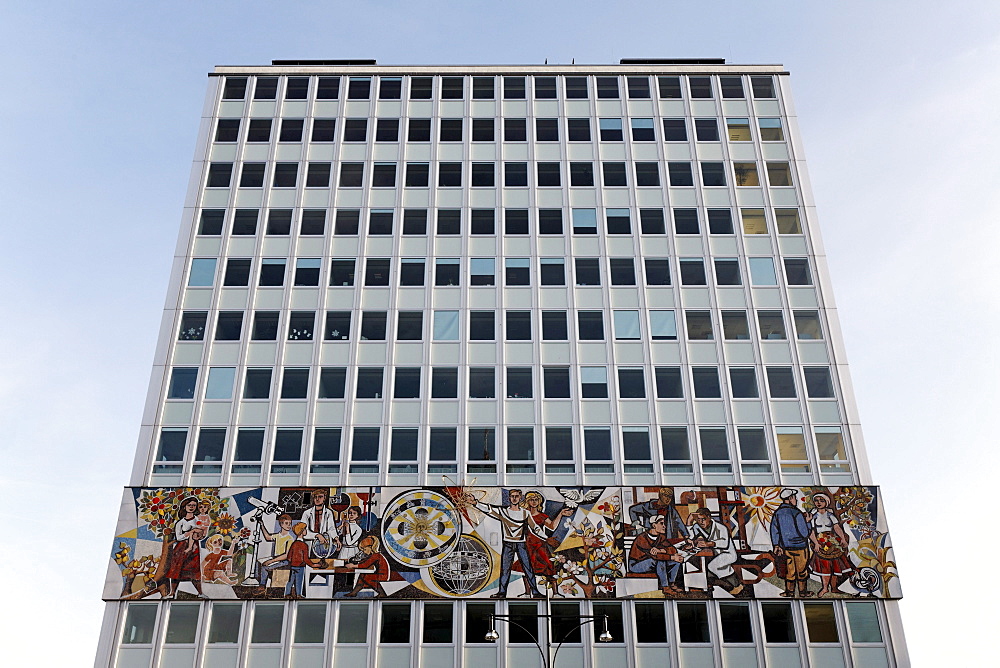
{"x": 142, "y": 568}
{"x": 589, "y": 559}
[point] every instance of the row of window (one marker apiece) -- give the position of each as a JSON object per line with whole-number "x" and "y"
{"x": 637, "y": 87}
{"x": 373, "y": 325}
{"x": 259, "y": 130}
{"x": 518, "y": 450}
{"x": 517, "y": 271}
{"x": 519, "y": 384}
{"x": 483, "y": 221}
{"x": 687, "y": 622}
{"x": 483, "y": 174}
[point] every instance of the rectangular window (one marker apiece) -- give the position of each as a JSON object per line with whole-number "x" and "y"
{"x": 597, "y": 448}
{"x": 714, "y": 450}
{"x": 301, "y": 325}
{"x": 770, "y": 129}
{"x": 519, "y": 383}
{"x": 449, "y": 221}
{"x": 211, "y": 443}
{"x": 483, "y": 220}
{"x": 675, "y": 449}
{"x": 351, "y": 174}
{"x": 352, "y": 622}
{"x": 554, "y": 326}
{"x": 743, "y": 383}
{"x": 650, "y": 618}
{"x": 518, "y": 326}
{"x": 373, "y": 324}
{"x": 229, "y": 326}
{"x": 377, "y": 272}
{"x": 140, "y": 618}
{"x": 182, "y": 383}
{"x": 622, "y": 271}
{"x": 778, "y": 174}
{"x": 411, "y": 272}
{"x": 297, "y": 88}
{"x": 446, "y": 271}
{"x": 821, "y": 622}
{"x": 692, "y": 272}
{"x": 517, "y": 271}
{"x": 590, "y": 325}
{"x": 545, "y": 88}
{"x": 797, "y": 271}
{"x": 753, "y": 221}
{"x": 265, "y": 88}
{"x": 647, "y": 174}
{"x": 727, "y": 271}
{"x": 753, "y": 448}
{"x": 607, "y": 88}
{"x": 449, "y": 174}
{"x": 444, "y": 383}
{"x": 403, "y": 448}
{"x": 763, "y": 87}
{"x": 341, "y": 272}
{"x": 559, "y": 447}
{"x": 720, "y": 221}
{"x": 819, "y": 384}
{"x": 657, "y": 271}
{"x": 584, "y": 221}
{"x": 515, "y": 129}
{"x": 521, "y": 448}
{"x": 307, "y": 271}
{"x": 380, "y": 222}
{"x": 576, "y": 88}
{"x": 830, "y": 447}
{"x": 553, "y": 271}
{"x": 384, "y": 175}
{"x": 699, "y": 325}
{"x": 419, "y": 129}
{"x": 668, "y": 382}
{"x": 679, "y": 174}
{"x": 662, "y": 326}
{"x": 700, "y": 87}
{"x": 211, "y": 221}
{"x": 618, "y": 221}
{"x": 365, "y": 446}
{"x": 792, "y": 450}
{"x": 442, "y": 446}
{"x": 626, "y": 325}
{"x": 807, "y": 325}
{"x": 549, "y": 174}
{"x": 259, "y": 130}
{"x": 483, "y": 271}
{"x": 588, "y": 271}
{"x": 594, "y": 382}
{"x": 780, "y": 382}
{"x": 482, "y": 129}
{"x": 762, "y": 271}
{"x": 291, "y": 130}
{"x": 252, "y": 175}
{"x": 734, "y": 326}
{"x": 332, "y": 382}
{"x": 421, "y": 88}
{"x": 787, "y": 221}
{"x": 324, "y": 130}
{"x": 669, "y": 87}
{"x": 237, "y": 272}
{"x": 513, "y": 88}
{"x": 482, "y": 325}
{"x": 414, "y": 222}
{"x": 225, "y": 624}
{"x": 614, "y": 174}
{"x": 555, "y": 382}
{"x": 390, "y": 88}
{"x": 192, "y": 326}
{"x": 779, "y": 623}
{"x": 581, "y": 174}
{"x": 313, "y": 222}
{"x": 202, "y": 272}
{"x": 234, "y": 89}
{"x": 631, "y": 383}
{"x": 258, "y": 384}
{"x": 359, "y": 88}
{"x": 515, "y": 174}
{"x": 713, "y": 174}
{"x": 735, "y": 620}
{"x": 674, "y": 129}
{"x": 310, "y": 623}
{"x": 219, "y": 175}
{"x": 706, "y": 383}
{"x": 611, "y": 129}
{"x": 746, "y": 174}
{"x": 451, "y": 129}
{"x": 578, "y": 129}
{"x": 295, "y": 383}
{"x": 439, "y": 623}
{"x": 546, "y": 129}
{"x": 410, "y": 326}
{"x": 245, "y": 222}
{"x": 452, "y": 88}
{"x": 446, "y": 325}
{"x": 482, "y": 448}
{"x": 686, "y": 221}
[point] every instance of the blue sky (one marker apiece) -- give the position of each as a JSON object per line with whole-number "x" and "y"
{"x": 897, "y": 104}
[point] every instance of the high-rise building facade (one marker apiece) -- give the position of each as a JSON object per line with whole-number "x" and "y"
{"x": 470, "y": 365}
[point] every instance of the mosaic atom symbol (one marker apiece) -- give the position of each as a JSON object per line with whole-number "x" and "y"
{"x": 867, "y": 579}
{"x": 466, "y": 570}
{"x": 420, "y": 528}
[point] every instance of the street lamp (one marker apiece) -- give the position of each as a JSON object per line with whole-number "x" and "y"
{"x": 605, "y": 636}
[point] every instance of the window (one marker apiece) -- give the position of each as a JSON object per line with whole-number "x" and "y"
{"x": 451, "y": 129}
{"x": 807, "y": 325}
{"x": 414, "y": 222}
{"x": 590, "y": 325}
{"x": 356, "y": 130}
{"x": 352, "y": 622}
{"x": 746, "y": 174}
{"x": 597, "y": 448}
{"x": 622, "y": 271}
{"x": 517, "y": 271}
{"x": 779, "y": 625}
{"x": 611, "y": 129}
{"x": 140, "y": 618}
{"x": 519, "y": 384}
{"x": 545, "y": 88}
{"x": 787, "y": 221}
{"x": 373, "y": 325}
{"x": 675, "y": 449}
{"x": 518, "y": 325}
{"x": 272, "y": 272}
{"x": 252, "y": 175}
{"x": 279, "y": 222}
{"x": 211, "y": 221}
{"x": 245, "y": 222}
{"x": 550, "y": 221}
{"x": 692, "y": 272}
{"x": 313, "y": 222}
{"x": 797, "y": 271}
{"x": 483, "y": 220}
{"x": 631, "y": 383}
{"x": 553, "y": 271}
{"x": 819, "y": 384}
{"x": 594, "y": 382}
{"x": 521, "y": 448}
{"x": 307, "y": 271}
{"x": 647, "y": 174}
{"x": 449, "y": 174}
{"x": 449, "y": 221}
{"x": 734, "y": 326}
{"x": 258, "y": 384}
{"x": 419, "y": 129}
{"x": 738, "y": 129}
{"x": 546, "y": 129}
{"x": 515, "y": 129}
{"x": 735, "y": 619}
{"x": 662, "y": 326}
{"x": 614, "y": 174}
{"x": 588, "y": 271}
{"x": 483, "y": 175}
{"x": 686, "y": 221}
{"x": 380, "y": 221}
{"x": 626, "y": 325}
{"x": 192, "y": 326}
{"x": 770, "y": 129}
{"x": 714, "y": 449}
{"x": 778, "y": 174}
{"x": 720, "y": 221}
{"x": 618, "y": 221}
{"x": 234, "y": 89}
{"x": 403, "y": 448}
{"x": 772, "y": 325}
{"x": 753, "y": 448}
{"x": 285, "y": 174}
{"x": 444, "y": 383}
{"x": 727, "y": 271}
{"x": 324, "y": 130}
{"x": 763, "y": 87}
{"x": 821, "y": 622}
{"x": 559, "y": 447}
{"x": 555, "y": 382}
{"x": 364, "y": 448}
{"x": 549, "y": 174}
{"x": 229, "y": 326}
{"x": 446, "y": 325}
{"x": 668, "y": 382}
{"x": 287, "y": 448}
{"x": 172, "y": 445}
{"x": 297, "y": 88}
{"x": 706, "y": 129}
{"x": 265, "y": 326}
{"x": 554, "y": 326}
{"x": 295, "y": 383}
{"x": 482, "y": 325}
{"x": 576, "y": 88}
{"x": 225, "y": 624}
{"x": 657, "y": 271}
{"x": 439, "y": 620}
{"x": 310, "y": 623}
{"x": 584, "y": 221}
{"x": 578, "y": 129}
{"x": 515, "y": 174}
{"x": 417, "y": 174}
{"x": 483, "y": 271}
{"x": 182, "y": 383}
{"x": 452, "y": 88}
{"x": 713, "y": 174}
{"x": 830, "y": 446}
{"x": 265, "y": 88}
{"x": 699, "y": 325}
{"x": 384, "y": 175}
{"x": 442, "y": 448}
{"x": 346, "y": 222}
{"x": 732, "y": 87}
{"x": 607, "y": 88}
{"x": 446, "y": 271}
{"x": 650, "y": 618}
{"x": 301, "y": 325}
{"x": 377, "y": 272}
{"x": 227, "y": 130}
{"x": 743, "y": 383}
{"x": 674, "y": 129}
{"x": 669, "y": 87}
{"x": 369, "y": 383}
{"x": 780, "y": 382}
{"x": 482, "y": 129}
{"x": 332, "y": 382}
{"x": 411, "y": 272}
{"x": 679, "y": 174}
{"x": 421, "y": 88}
{"x": 762, "y": 271}
{"x": 581, "y": 173}
{"x": 390, "y": 88}
{"x": 359, "y": 88}
{"x": 237, "y": 272}
{"x": 513, "y": 88}
{"x": 753, "y": 221}
{"x": 700, "y": 87}
{"x": 706, "y": 383}
{"x": 219, "y": 174}
{"x": 410, "y": 326}
{"x": 291, "y": 130}
{"x": 482, "y": 448}
{"x": 642, "y": 129}
{"x": 341, "y": 272}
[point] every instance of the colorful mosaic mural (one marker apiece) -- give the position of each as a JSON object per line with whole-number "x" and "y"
{"x": 501, "y": 542}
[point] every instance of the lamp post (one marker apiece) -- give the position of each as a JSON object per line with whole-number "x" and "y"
{"x": 550, "y": 661}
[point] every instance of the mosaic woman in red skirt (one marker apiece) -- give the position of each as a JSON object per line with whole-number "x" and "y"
{"x": 185, "y": 552}
{"x": 829, "y": 543}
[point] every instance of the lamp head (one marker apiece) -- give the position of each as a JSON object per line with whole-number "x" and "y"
{"x": 492, "y": 635}
{"x": 605, "y": 637}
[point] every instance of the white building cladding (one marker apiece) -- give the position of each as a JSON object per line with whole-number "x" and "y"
{"x": 496, "y": 278}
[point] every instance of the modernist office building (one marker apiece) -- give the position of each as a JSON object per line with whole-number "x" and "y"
{"x": 464, "y": 365}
